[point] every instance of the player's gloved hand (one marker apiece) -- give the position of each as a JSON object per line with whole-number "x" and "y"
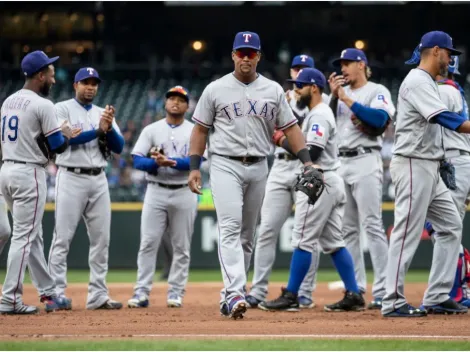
{"x": 194, "y": 181}
{"x": 447, "y": 172}
{"x": 311, "y": 183}
{"x": 277, "y": 137}
{"x": 335, "y": 81}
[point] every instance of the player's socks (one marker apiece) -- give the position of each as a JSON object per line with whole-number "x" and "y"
{"x": 299, "y": 266}
{"x": 345, "y": 266}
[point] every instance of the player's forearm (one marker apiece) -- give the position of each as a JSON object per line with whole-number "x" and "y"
{"x": 374, "y": 117}
{"x": 297, "y": 144}
{"x": 198, "y": 140}
{"x": 84, "y": 137}
{"x": 182, "y": 164}
{"x": 58, "y": 142}
{"x": 145, "y": 164}
{"x": 464, "y": 127}
{"x": 115, "y": 141}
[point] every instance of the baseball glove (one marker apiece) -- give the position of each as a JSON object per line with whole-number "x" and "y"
{"x": 103, "y": 146}
{"x": 43, "y": 144}
{"x": 277, "y": 136}
{"x": 447, "y": 172}
{"x": 368, "y": 129}
{"x": 311, "y": 183}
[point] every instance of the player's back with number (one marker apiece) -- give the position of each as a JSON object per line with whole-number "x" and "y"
{"x": 25, "y": 115}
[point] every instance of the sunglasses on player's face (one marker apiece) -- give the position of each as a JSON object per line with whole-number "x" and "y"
{"x": 242, "y": 53}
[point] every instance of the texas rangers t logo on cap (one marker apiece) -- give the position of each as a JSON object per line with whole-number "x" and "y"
{"x": 247, "y": 37}
{"x": 303, "y": 58}
{"x": 343, "y": 53}
{"x": 90, "y": 70}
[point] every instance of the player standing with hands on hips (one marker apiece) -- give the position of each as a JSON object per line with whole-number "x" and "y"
{"x": 168, "y": 205}
{"x": 420, "y": 191}
{"x": 81, "y": 167}
{"x": 237, "y": 115}
{"x": 30, "y": 135}
{"x": 363, "y": 110}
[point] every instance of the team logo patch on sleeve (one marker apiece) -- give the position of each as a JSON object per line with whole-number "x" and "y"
{"x": 381, "y": 97}
{"x": 318, "y": 130}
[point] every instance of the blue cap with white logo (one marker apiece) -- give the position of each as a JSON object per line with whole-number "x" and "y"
{"x": 416, "y": 58}
{"x": 351, "y": 54}
{"x": 35, "y": 62}
{"x": 248, "y": 40}
{"x": 439, "y": 39}
{"x": 85, "y": 73}
{"x": 454, "y": 65}
{"x": 310, "y": 76}
{"x": 302, "y": 60}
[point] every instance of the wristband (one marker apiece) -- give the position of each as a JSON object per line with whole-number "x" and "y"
{"x": 304, "y": 155}
{"x": 194, "y": 162}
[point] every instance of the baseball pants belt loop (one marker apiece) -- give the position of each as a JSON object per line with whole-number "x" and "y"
{"x": 349, "y": 153}
{"x": 286, "y": 156}
{"x": 85, "y": 171}
{"x": 165, "y": 185}
{"x": 246, "y": 160}
{"x": 452, "y": 153}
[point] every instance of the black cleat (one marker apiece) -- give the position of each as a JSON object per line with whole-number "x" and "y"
{"x": 287, "y": 301}
{"x": 352, "y": 302}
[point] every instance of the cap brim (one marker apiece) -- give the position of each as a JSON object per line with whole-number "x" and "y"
{"x": 454, "y": 52}
{"x": 304, "y": 82}
{"x": 53, "y": 59}
{"x": 169, "y": 94}
{"x": 85, "y": 78}
{"x": 246, "y": 47}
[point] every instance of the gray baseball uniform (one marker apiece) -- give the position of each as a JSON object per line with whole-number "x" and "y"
{"x": 82, "y": 191}
{"x": 25, "y": 115}
{"x": 457, "y": 148}
{"x": 168, "y": 204}
{"x": 5, "y": 228}
{"x": 321, "y": 223}
{"x": 419, "y": 190}
{"x": 279, "y": 198}
{"x": 241, "y": 118}
{"x": 362, "y": 171}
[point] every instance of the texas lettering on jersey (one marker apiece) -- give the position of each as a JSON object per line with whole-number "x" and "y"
{"x": 255, "y": 108}
{"x": 175, "y": 148}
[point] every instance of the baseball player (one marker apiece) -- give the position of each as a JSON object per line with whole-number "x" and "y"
{"x": 168, "y": 203}
{"x": 277, "y": 206}
{"x": 457, "y": 162}
{"x": 237, "y": 114}
{"x": 420, "y": 191}
{"x": 319, "y": 224}
{"x": 82, "y": 187}
{"x": 363, "y": 111}
{"x": 30, "y": 132}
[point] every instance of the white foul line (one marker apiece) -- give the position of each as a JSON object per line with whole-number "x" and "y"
{"x": 252, "y": 336}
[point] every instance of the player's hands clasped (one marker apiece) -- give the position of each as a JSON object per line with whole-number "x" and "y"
{"x": 66, "y": 129}
{"x": 194, "y": 181}
{"x": 107, "y": 117}
{"x": 336, "y": 82}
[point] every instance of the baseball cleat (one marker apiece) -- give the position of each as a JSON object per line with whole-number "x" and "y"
{"x": 287, "y": 301}
{"x": 224, "y": 311}
{"x": 54, "y": 303}
{"x": 237, "y": 308}
{"x": 174, "y": 302}
{"x": 447, "y": 307}
{"x": 465, "y": 302}
{"x": 406, "y": 311}
{"x": 351, "y": 302}
{"x": 110, "y": 304}
{"x": 138, "y": 301}
{"x": 305, "y": 302}
{"x": 252, "y": 302}
{"x": 19, "y": 309}
{"x": 376, "y": 303}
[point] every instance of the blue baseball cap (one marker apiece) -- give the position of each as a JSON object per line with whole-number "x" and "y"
{"x": 302, "y": 60}
{"x": 351, "y": 54}
{"x": 310, "y": 76}
{"x": 35, "y": 62}
{"x": 247, "y": 40}
{"x": 439, "y": 39}
{"x": 85, "y": 73}
{"x": 180, "y": 91}
{"x": 453, "y": 65}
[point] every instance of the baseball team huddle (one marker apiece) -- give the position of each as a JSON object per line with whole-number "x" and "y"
{"x": 327, "y": 163}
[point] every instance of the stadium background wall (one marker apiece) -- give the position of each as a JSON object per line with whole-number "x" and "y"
{"x": 125, "y": 229}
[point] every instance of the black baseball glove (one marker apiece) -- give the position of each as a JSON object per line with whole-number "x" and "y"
{"x": 368, "y": 129}
{"x": 103, "y": 146}
{"x": 447, "y": 172}
{"x": 311, "y": 183}
{"x": 43, "y": 144}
